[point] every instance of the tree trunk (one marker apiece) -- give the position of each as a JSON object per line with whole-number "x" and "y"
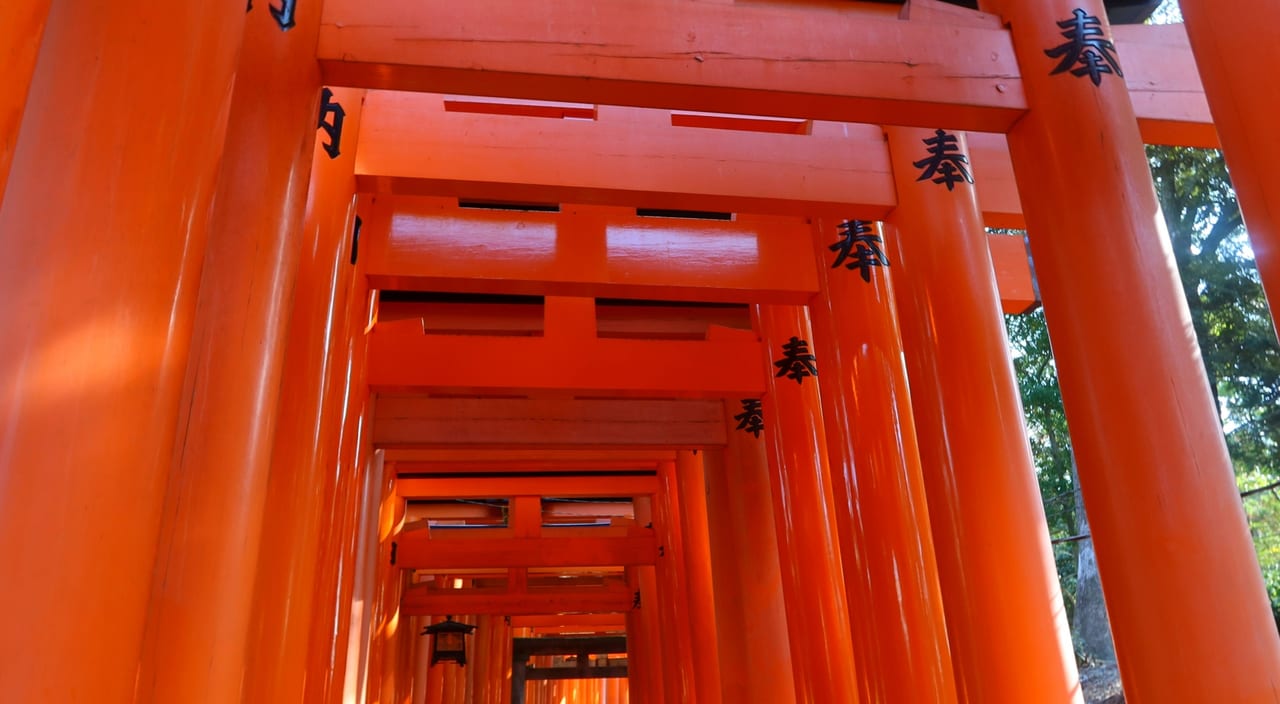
{"x": 1092, "y": 629}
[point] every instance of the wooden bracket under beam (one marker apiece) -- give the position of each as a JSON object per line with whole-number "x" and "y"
{"x": 418, "y": 601}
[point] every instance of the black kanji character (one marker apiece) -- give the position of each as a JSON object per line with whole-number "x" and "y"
{"x": 1087, "y": 46}
{"x": 330, "y": 108}
{"x": 751, "y": 419}
{"x": 945, "y": 160}
{"x": 797, "y": 362}
{"x": 859, "y": 242}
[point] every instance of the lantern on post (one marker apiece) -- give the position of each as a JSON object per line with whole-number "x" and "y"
{"x": 448, "y": 641}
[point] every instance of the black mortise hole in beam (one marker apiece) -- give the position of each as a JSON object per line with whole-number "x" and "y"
{"x": 686, "y": 214}
{"x": 517, "y": 207}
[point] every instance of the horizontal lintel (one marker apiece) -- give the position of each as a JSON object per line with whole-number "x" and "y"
{"x": 441, "y": 422}
{"x": 402, "y": 360}
{"x": 769, "y": 60}
{"x": 587, "y": 600}
{"x": 490, "y": 487}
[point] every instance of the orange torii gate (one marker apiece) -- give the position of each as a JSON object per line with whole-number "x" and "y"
{"x": 202, "y": 367}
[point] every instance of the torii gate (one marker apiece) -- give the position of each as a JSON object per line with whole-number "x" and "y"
{"x": 215, "y": 418}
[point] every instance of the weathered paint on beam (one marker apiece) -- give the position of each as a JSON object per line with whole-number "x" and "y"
{"x": 859, "y": 64}
{"x": 418, "y": 551}
{"x": 442, "y": 422}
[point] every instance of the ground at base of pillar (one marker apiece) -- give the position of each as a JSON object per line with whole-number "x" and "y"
{"x": 1101, "y": 683}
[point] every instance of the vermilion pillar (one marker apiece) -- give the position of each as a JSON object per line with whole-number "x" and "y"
{"x": 388, "y": 630}
{"x": 730, "y": 613}
{"x": 202, "y": 588}
{"x": 21, "y": 27}
{"x": 890, "y": 572}
{"x": 345, "y": 477}
{"x": 1005, "y": 619}
{"x": 697, "y": 559}
{"x": 1178, "y": 569}
{"x": 103, "y": 228}
{"x": 1232, "y": 38}
{"x": 804, "y": 513}
{"x": 331, "y": 617}
{"x": 750, "y": 609}
{"x": 435, "y": 674}
{"x": 643, "y": 629}
{"x": 673, "y": 604}
{"x": 481, "y": 659}
{"x": 306, "y": 440}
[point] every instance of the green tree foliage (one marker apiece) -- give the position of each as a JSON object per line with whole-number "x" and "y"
{"x": 1228, "y": 309}
{"x": 1237, "y": 343}
{"x": 1050, "y": 441}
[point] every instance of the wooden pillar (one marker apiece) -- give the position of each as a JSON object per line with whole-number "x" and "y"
{"x": 503, "y": 645}
{"x": 206, "y": 564}
{"x": 21, "y": 27}
{"x": 469, "y": 672}
{"x": 750, "y": 609}
{"x": 1005, "y": 619}
{"x": 678, "y": 668}
{"x": 306, "y": 441}
{"x": 1231, "y": 39}
{"x": 422, "y": 679}
{"x": 731, "y": 615}
{"x": 695, "y": 543}
{"x": 103, "y": 228}
{"x": 452, "y": 683}
{"x": 643, "y": 634}
{"x": 366, "y": 644}
{"x": 890, "y": 572}
{"x": 804, "y": 513}
{"x": 385, "y": 640}
{"x": 331, "y": 619}
{"x": 1178, "y": 568}
{"x": 435, "y": 674}
{"x": 481, "y": 659}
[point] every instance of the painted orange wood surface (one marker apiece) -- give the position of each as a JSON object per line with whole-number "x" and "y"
{"x": 1172, "y": 539}
{"x": 750, "y": 608}
{"x": 725, "y": 57}
{"x": 418, "y": 601}
{"x": 414, "y": 421}
{"x": 417, "y": 550}
{"x": 690, "y": 477}
{"x": 21, "y": 28}
{"x": 405, "y": 359}
{"x": 100, "y": 272}
{"x": 207, "y": 560}
{"x": 675, "y": 622}
{"x": 890, "y": 571}
{"x": 1231, "y": 38}
{"x": 306, "y": 435}
{"x": 430, "y": 244}
{"x": 999, "y": 584}
{"x": 622, "y": 156}
{"x": 481, "y": 487}
{"x": 804, "y": 517}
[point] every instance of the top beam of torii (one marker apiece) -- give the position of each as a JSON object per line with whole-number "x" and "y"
{"x": 942, "y": 67}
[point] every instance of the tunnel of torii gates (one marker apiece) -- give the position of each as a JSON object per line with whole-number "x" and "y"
{"x": 660, "y": 340}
